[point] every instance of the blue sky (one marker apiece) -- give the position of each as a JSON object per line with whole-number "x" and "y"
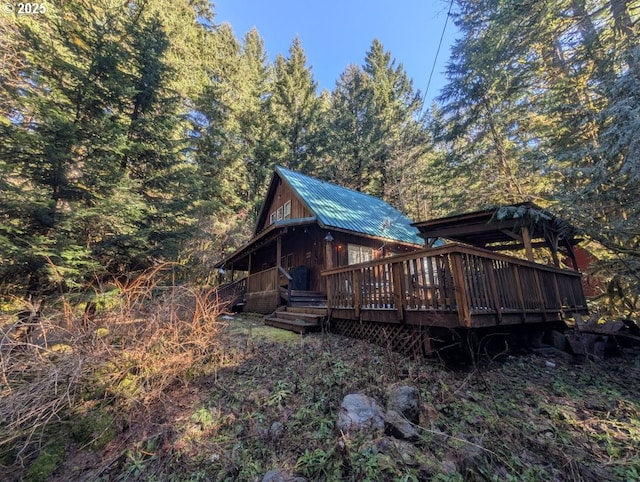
{"x": 336, "y": 33}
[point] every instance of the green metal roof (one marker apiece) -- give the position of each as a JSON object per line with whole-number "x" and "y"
{"x": 342, "y": 208}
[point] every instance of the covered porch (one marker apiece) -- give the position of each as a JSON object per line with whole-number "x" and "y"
{"x": 280, "y": 264}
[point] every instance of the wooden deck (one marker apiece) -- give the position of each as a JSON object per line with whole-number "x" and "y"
{"x": 454, "y": 286}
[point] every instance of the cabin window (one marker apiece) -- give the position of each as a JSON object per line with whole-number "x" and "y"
{"x": 359, "y": 254}
{"x": 279, "y": 213}
{"x": 272, "y": 218}
{"x": 287, "y": 210}
{"x": 287, "y": 262}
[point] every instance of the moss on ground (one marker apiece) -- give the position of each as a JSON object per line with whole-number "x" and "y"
{"x": 269, "y": 399}
{"x": 47, "y": 462}
{"x": 93, "y": 426}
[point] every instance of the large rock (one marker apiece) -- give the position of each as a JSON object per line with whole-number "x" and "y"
{"x": 400, "y": 450}
{"x": 404, "y": 400}
{"x": 396, "y": 425}
{"x": 359, "y": 412}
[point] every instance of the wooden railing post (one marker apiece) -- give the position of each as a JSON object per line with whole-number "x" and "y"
{"x": 460, "y": 289}
{"x": 556, "y": 290}
{"x": 357, "y": 292}
{"x": 398, "y": 289}
{"x": 540, "y": 293}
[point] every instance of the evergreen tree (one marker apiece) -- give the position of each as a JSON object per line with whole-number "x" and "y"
{"x": 597, "y": 150}
{"x": 375, "y": 133}
{"x": 294, "y": 112}
{"x": 94, "y": 163}
{"x": 396, "y": 108}
{"x": 351, "y": 129}
{"x": 539, "y": 105}
{"x": 489, "y": 110}
{"x": 232, "y": 157}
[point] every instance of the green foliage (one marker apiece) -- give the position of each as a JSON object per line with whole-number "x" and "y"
{"x": 373, "y": 130}
{"x": 294, "y": 112}
{"x": 93, "y": 163}
{"x": 205, "y": 417}
{"x": 48, "y": 460}
{"x": 546, "y": 116}
{"x": 94, "y": 428}
{"x": 282, "y": 391}
{"x": 319, "y": 464}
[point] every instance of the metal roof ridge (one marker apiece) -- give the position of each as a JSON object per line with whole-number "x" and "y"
{"x": 333, "y": 185}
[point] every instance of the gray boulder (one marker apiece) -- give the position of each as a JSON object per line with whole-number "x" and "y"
{"x": 359, "y": 412}
{"x": 396, "y": 425}
{"x": 275, "y": 431}
{"x": 404, "y": 400}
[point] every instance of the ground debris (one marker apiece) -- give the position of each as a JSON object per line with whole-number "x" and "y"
{"x": 271, "y": 399}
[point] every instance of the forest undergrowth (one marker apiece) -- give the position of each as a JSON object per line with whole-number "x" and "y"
{"x": 161, "y": 386}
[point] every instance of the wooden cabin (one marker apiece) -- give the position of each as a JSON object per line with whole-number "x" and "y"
{"x": 356, "y": 262}
{"x": 306, "y": 226}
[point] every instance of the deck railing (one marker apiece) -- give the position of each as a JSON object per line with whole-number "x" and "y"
{"x": 266, "y": 280}
{"x": 230, "y": 293}
{"x": 478, "y": 286}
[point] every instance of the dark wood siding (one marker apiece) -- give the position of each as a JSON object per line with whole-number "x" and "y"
{"x": 304, "y": 246}
{"x": 281, "y": 196}
{"x": 380, "y": 248}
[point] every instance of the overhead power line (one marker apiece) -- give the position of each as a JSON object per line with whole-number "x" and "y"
{"x": 435, "y": 60}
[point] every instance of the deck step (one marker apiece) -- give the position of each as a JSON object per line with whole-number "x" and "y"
{"x": 313, "y": 310}
{"x": 300, "y": 319}
{"x": 292, "y": 315}
{"x": 302, "y": 298}
{"x": 296, "y": 325}
{"x": 309, "y": 302}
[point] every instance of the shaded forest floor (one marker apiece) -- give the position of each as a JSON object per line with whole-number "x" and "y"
{"x": 266, "y": 399}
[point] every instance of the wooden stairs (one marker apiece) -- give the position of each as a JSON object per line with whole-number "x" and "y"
{"x": 299, "y": 319}
{"x": 304, "y": 298}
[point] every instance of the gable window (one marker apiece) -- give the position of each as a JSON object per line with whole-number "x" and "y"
{"x": 359, "y": 254}
{"x": 279, "y": 213}
{"x": 272, "y": 218}
{"x": 287, "y": 210}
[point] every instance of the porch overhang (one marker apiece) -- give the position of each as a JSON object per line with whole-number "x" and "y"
{"x": 239, "y": 259}
{"x": 506, "y": 228}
